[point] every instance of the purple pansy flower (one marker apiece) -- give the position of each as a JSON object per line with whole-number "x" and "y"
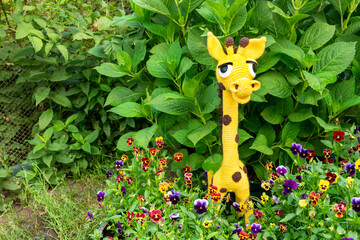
{"x": 119, "y": 164}
{"x": 357, "y": 129}
{"x": 295, "y": 148}
{"x": 174, "y": 216}
{"x": 180, "y": 226}
{"x": 350, "y": 168}
{"x": 347, "y": 239}
{"x": 304, "y": 196}
{"x": 200, "y": 206}
{"x": 205, "y": 173}
{"x": 217, "y": 227}
{"x": 289, "y": 185}
{"x": 299, "y": 178}
{"x": 281, "y": 170}
{"x": 275, "y": 199}
{"x": 237, "y": 231}
{"x": 174, "y": 197}
{"x": 271, "y": 182}
{"x": 255, "y": 228}
{"x": 90, "y": 216}
{"x": 100, "y": 196}
{"x": 144, "y": 210}
{"x": 108, "y": 174}
{"x": 123, "y": 190}
{"x": 120, "y": 228}
{"x": 355, "y": 201}
{"x": 236, "y": 207}
{"x": 303, "y": 153}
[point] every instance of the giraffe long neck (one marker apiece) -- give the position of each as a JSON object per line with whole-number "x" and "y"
{"x": 230, "y": 136}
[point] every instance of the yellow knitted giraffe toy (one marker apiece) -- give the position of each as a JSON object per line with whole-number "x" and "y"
{"x": 235, "y": 72}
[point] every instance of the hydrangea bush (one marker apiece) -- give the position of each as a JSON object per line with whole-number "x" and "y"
{"x": 315, "y": 198}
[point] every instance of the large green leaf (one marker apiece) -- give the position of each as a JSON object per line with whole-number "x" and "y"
{"x": 329, "y": 127}
{"x": 128, "y": 109}
{"x": 290, "y": 131}
{"x": 143, "y": 137}
{"x": 213, "y": 162}
{"x": 313, "y": 81}
{"x": 60, "y": 75}
{"x": 181, "y": 137}
{"x": 122, "y": 144}
{"x": 153, "y": 5}
{"x": 275, "y": 84}
{"x": 111, "y": 70}
{"x": 120, "y": 95}
{"x": 156, "y": 65}
{"x": 261, "y": 144}
{"x": 172, "y": 103}
{"x": 197, "y": 46}
{"x": 62, "y": 100}
{"x": 270, "y": 115}
{"x": 64, "y": 52}
{"x": 243, "y": 136}
{"x": 316, "y": 36}
{"x": 36, "y": 42}
{"x": 199, "y": 133}
{"x": 301, "y": 115}
{"x": 335, "y": 58}
{"x": 41, "y": 93}
{"x": 45, "y": 118}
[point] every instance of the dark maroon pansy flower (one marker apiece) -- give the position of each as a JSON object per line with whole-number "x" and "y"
{"x": 338, "y": 136}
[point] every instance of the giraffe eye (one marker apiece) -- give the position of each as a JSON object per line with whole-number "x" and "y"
{"x": 225, "y": 69}
{"x": 252, "y": 67}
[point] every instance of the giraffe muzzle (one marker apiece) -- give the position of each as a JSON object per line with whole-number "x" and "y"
{"x": 243, "y": 88}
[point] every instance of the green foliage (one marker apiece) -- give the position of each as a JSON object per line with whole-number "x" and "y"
{"x": 150, "y": 70}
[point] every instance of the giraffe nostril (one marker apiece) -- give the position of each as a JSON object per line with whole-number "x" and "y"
{"x": 236, "y": 86}
{"x": 252, "y": 85}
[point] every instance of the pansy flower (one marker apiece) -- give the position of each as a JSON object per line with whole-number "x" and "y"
{"x": 264, "y": 198}
{"x": 327, "y": 153}
{"x": 279, "y": 212}
{"x": 282, "y": 228}
{"x": 119, "y": 179}
{"x": 120, "y": 229}
{"x": 188, "y": 176}
{"x": 304, "y": 196}
{"x": 200, "y": 206}
{"x": 255, "y": 228}
{"x": 343, "y": 163}
{"x": 119, "y": 164}
{"x": 174, "y": 197}
{"x": 136, "y": 150}
{"x": 89, "y": 217}
{"x": 159, "y": 142}
{"x": 258, "y": 214}
{"x": 314, "y": 198}
{"x": 295, "y": 148}
{"x": 265, "y": 185}
{"x": 331, "y": 177}
{"x": 350, "y": 180}
{"x": 252, "y": 236}
{"x": 350, "y": 168}
{"x": 289, "y": 185}
{"x": 108, "y": 174}
{"x": 155, "y": 215}
{"x": 339, "y": 209}
{"x": 163, "y": 187}
{"x": 189, "y": 183}
{"x": 281, "y": 170}
{"x": 338, "y": 136}
{"x": 130, "y": 141}
{"x": 347, "y": 238}
{"x": 324, "y": 185}
{"x": 269, "y": 166}
{"x": 178, "y": 157}
{"x": 162, "y": 162}
{"x": 145, "y": 160}
{"x": 357, "y": 164}
{"x": 303, "y": 153}
{"x": 243, "y": 236}
{"x": 274, "y": 176}
{"x": 129, "y": 216}
{"x": 311, "y": 154}
{"x": 275, "y": 199}
{"x": 140, "y": 217}
{"x": 152, "y": 151}
{"x": 123, "y": 190}
{"x": 160, "y": 172}
{"x": 129, "y": 180}
{"x": 299, "y": 178}
{"x": 207, "y": 223}
{"x": 187, "y": 169}
{"x": 212, "y": 189}
{"x": 180, "y": 227}
{"x": 237, "y": 230}
{"x": 355, "y": 201}
{"x": 141, "y": 198}
{"x": 100, "y": 196}
{"x": 303, "y": 203}
{"x": 215, "y": 197}
{"x": 236, "y": 206}
{"x": 124, "y": 157}
{"x": 174, "y": 217}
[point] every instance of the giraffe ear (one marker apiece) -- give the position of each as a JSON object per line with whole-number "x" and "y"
{"x": 214, "y": 47}
{"x": 254, "y": 49}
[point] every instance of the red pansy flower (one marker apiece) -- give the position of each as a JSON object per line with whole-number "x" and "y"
{"x": 178, "y": 157}
{"x": 338, "y": 136}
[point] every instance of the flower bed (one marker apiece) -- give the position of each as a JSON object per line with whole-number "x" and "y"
{"x": 312, "y": 198}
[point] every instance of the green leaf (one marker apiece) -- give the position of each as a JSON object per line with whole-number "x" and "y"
{"x": 236, "y": 21}
{"x": 120, "y": 95}
{"x": 98, "y": 52}
{"x": 81, "y": 36}
{"x": 191, "y": 86}
{"x": 275, "y": 84}
{"x": 156, "y": 29}
{"x": 64, "y": 52}
{"x": 41, "y": 22}
{"x": 86, "y": 147}
{"x": 45, "y": 118}
{"x": 62, "y": 100}
{"x": 199, "y": 133}
{"x": 61, "y": 158}
{"x": 140, "y": 52}
{"x": 157, "y": 67}
{"x": 335, "y": 58}
{"x": 122, "y": 144}
{"x": 194, "y": 161}
{"x": 128, "y": 109}
{"x": 198, "y": 46}
{"x": 38, "y": 147}
{"x": 185, "y": 65}
{"x": 172, "y": 103}
{"x": 10, "y": 184}
{"x": 47, "y": 160}
{"x": 301, "y": 115}
{"x": 173, "y": 55}
{"x": 349, "y": 103}
{"x": 23, "y": 30}
{"x": 313, "y": 81}
{"x": 213, "y": 162}
{"x": 288, "y": 48}
{"x": 48, "y": 47}
{"x": 267, "y": 60}
{"x": 92, "y": 136}
{"x": 143, "y": 137}
{"x": 340, "y": 5}
{"x": 270, "y": 115}
{"x": 288, "y": 217}
{"x": 153, "y": 5}
{"x": 41, "y": 93}
{"x": 243, "y": 136}
{"x": 261, "y": 144}
{"x": 104, "y": 23}
{"x": 290, "y": 131}
{"x": 124, "y": 59}
{"x": 36, "y": 43}
{"x": 316, "y": 36}
{"x": 310, "y": 96}
{"x": 181, "y": 137}
{"x": 111, "y": 70}
{"x": 3, "y": 173}
{"x": 60, "y": 75}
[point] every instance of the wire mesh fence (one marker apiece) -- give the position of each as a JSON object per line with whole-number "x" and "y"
{"x": 18, "y": 113}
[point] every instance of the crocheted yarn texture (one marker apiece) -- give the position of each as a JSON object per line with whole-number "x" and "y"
{"x": 235, "y": 72}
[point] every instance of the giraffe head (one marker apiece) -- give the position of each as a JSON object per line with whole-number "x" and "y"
{"x": 236, "y": 67}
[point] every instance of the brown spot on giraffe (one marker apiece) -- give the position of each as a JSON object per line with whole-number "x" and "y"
{"x": 226, "y": 120}
{"x": 245, "y": 169}
{"x": 221, "y": 86}
{"x": 244, "y": 42}
{"x": 237, "y": 138}
{"x": 229, "y": 41}
{"x": 236, "y": 176}
{"x": 223, "y": 190}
